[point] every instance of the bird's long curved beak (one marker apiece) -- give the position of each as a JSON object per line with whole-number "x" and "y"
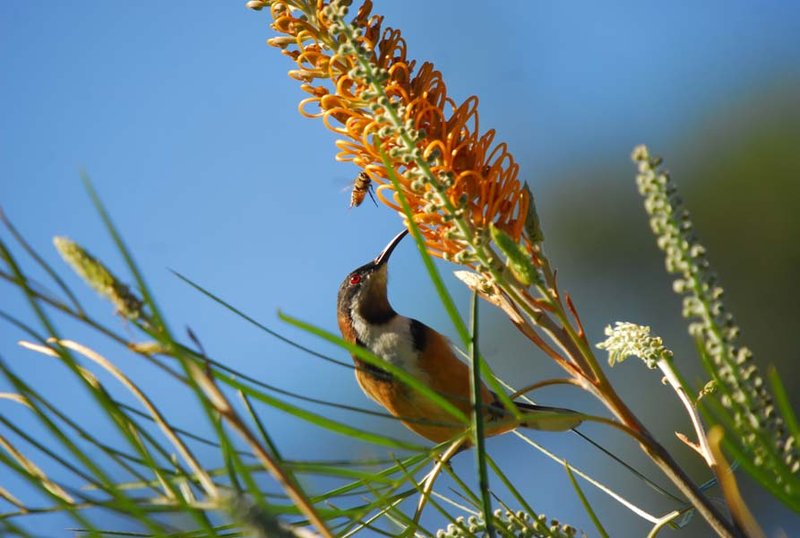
{"x": 383, "y": 257}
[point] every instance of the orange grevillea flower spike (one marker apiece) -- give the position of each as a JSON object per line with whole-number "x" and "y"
{"x": 360, "y": 81}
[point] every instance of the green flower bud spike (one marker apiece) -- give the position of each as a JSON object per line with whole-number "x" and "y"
{"x": 532, "y": 225}
{"x": 97, "y": 275}
{"x": 518, "y": 258}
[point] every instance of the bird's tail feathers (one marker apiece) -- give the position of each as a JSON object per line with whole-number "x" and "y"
{"x": 550, "y": 419}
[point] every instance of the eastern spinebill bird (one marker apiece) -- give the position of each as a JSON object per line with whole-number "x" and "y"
{"x": 368, "y": 320}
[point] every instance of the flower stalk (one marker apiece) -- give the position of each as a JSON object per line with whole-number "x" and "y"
{"x": 745, "y": 399}
{"x": 628, "y": 339}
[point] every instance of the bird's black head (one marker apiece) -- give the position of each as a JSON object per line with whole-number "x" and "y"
{"x": 363, "y": 291}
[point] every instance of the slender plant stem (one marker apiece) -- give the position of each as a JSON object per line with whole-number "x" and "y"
{"x": 477, "y": 421}
{"x": 672, "y": 378}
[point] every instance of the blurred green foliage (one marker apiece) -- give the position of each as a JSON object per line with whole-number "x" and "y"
{"x": 738, "y": 169}
{"x": 739, "y": 172}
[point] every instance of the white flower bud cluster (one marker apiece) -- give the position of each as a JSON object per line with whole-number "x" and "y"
{"x": 742, "y": 389}
{"x": 630, "y": 340}
{"x": 519, "y": 524}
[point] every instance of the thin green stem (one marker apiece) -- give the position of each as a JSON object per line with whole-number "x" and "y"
{"x": 586, "y": 504}
{"x": 477, "y": 421}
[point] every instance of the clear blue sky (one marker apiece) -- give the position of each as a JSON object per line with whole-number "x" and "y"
{"x": 186, "y": 121}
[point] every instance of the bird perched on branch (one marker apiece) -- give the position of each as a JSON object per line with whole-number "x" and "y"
{"x": 368, "y": 320}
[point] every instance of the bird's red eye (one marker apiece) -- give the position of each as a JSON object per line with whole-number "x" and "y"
{"x": 355, "y": 279}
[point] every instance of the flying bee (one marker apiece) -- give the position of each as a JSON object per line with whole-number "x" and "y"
{"x": 362, "y": 186}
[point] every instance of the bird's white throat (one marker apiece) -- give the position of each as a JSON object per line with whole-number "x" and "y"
{"x": 392, "y": 341}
